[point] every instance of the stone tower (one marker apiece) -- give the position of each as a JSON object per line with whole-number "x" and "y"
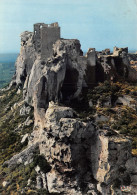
{"x": 45, "y": 35}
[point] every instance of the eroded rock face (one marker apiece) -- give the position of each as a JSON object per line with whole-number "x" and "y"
{"x": 26, "y": 57}
{"x": 116, "y": 65}
{"x": 24, "y": 157}
{"x": 65, "y": 70}
{"x": 66, "y": 143}
{"x": 60, "y": 77}
{"x": 108, "y": 162}
{"x": 83, "y": 159}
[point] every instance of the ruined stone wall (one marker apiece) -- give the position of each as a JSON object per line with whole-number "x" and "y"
{"x": 37, "y": 37}
{"x": 49, "y": 35}
{"x": 117, "y": 51}
{"x": 44, "y": 37}
{"x": 91, "y": 57}
{"x": 91, "y": 67}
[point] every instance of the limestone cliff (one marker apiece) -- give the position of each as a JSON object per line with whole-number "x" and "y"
{"x": 65, "y": 153}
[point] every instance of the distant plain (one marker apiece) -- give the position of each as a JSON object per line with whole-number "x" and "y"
{"x": 7, "y": 68}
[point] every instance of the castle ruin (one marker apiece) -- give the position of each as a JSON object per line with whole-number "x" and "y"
{"x": 45, "y": 35}
{"x": 98, "y": 66}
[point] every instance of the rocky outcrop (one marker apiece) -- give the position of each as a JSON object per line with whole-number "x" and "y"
{"x": 83, "y": 158}
{"x": 115, "y": 66}
{"x": 60, "y": 77}
{"x": 26, "y": 57}
{"x": 25, "y": 157}
{"x": 66, "y": 143}
{"x": 108, "y": 162}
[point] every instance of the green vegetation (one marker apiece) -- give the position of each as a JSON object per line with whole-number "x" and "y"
{"x": 44, "y": 192}
{"x": 117, "y": 183}
{"x": 126, "y": 122}
{"x": 42, "y": 163}
{"x": 12, "y": 129}
{"x": 10, "y": 121}
{"x": 127, "y": 180}
{"x": 113, "y": 90}
{"x": 103, "y": 91}
{"x": 124, "y": 180}
{"x": 19, "y": 176}
{"x": 120, "y": 118}
{"x": 101, "y": 94}
{"x": 83, "y": 111}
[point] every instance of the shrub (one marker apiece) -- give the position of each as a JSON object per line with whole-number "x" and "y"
{"x": 127, "y": 180}
{"x": 42, "y": 163}
{"x": 117, "y": 183}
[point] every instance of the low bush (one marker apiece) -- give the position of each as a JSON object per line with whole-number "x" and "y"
{"x": 42, "y": 163}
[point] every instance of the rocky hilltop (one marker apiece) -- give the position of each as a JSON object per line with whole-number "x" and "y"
{"x": 69, "y": 121}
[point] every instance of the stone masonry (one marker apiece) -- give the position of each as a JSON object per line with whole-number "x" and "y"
{"x": 45, "y": 35}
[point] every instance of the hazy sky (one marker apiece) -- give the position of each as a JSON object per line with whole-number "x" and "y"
{"x": 96, "y": 23}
